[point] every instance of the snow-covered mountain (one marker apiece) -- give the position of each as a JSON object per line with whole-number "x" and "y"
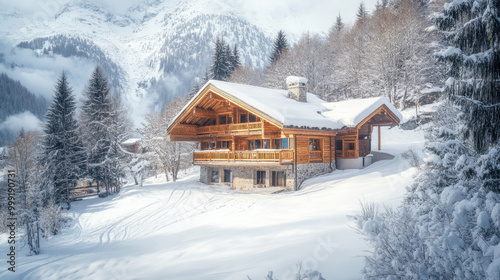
{"x": 150, "y": 51}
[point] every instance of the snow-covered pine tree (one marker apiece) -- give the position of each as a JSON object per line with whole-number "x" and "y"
{"x": 119, "y": 131}
{"x": 228, "y": 58}
{"x": 221, "y": 66}
{"x": 103, "y": 129}
{"x": 235, "y": 58}
{"x": 472, "y": 28}
{"x": 361, "y": 13}
{"x": 94, "y": 117}
{"x": 64, "y": 154}
{"x": 280, "y": 45}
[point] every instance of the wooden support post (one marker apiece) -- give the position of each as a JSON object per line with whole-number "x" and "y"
{"x": 379, "y": 138}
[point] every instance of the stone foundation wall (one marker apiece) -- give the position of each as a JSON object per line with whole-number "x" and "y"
{"x": 244, "y": 176}
{"x": 310, "y": 170}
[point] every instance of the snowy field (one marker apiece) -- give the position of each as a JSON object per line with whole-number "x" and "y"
{"x": 187, "y": 230}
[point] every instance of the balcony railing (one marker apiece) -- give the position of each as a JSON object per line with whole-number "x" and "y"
{"x": 230, "y": 128}
{"x": 276, "y": 156}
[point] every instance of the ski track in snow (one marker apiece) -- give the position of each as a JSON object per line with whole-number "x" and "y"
{"x": 187, "y": 230}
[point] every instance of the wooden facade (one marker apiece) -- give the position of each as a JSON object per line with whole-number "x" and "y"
{"x": 232, "y": 133}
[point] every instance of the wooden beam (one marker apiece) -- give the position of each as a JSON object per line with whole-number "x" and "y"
{"x": 200, "y": 112}
{"x": 379, "y": 138}
{"x": 311, "y": 132}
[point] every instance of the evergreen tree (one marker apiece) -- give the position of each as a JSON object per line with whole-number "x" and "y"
{"x": 63, "y": 150}
{"x": 103, "y": 128}
{"x": 361, "y": 13}
{"x": 221, "y": 67}
{"x": 473, "y": 30}
{"x": 228, "y": 60}
{"x": 339, "y": 24}
{"x": 280, "y": 46}
{"x": 235, "y": 58}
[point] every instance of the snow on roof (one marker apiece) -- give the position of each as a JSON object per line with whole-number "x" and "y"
{"x": 294, "y": 80}
{"x": 131, "y": 141}
{"x": 313, "y": 114}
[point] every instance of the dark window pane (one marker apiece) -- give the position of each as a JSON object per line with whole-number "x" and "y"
{"x": 351, "y": 146}
{"x": 222, "y": 119}
{"x": 338, "y": 145}
{"x": 277, "y": 143}
{"x": 243, "y": 118}
{"x": 215, "y": 176}
{"x": 260, "y": 177}
{"x": 252, "y": 118}
{"x": 258, "y": 144}
{"x": 228, "y": 175}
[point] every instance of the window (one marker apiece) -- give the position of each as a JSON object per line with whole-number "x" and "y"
{"x": 278, "y": 178}
{"x": 277, "y": 144}
{"x": 252, "y": 118}
{"x": 251, "y": 145}
{"x": 228, "y": 176}
{"x": 266, "y": 144}
{"x": 258, "y": 144}
{"x": 284, "y": 143}
{"x": 223, "y": 119}
{"x": 224, "y": 145}
{"x": 204, "y": 145}
{"x": 211, "y": 145}
{"x": 314, "y": 145}
{"x": 338, "y": 145}
{"x": 260, "y": 177}
{"x": 352, "y": 146}
{"x": 214, "y": 176}
{"x": 291, "y": 144}
{"x": 243, "y": 118}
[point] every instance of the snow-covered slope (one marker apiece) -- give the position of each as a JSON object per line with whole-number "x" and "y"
{"x": 187, "y": 230}
{"x": 153, "y": 50}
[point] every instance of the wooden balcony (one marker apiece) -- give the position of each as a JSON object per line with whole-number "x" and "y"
{"x": 272, "y": 156}
{"x": 230, "y": 128}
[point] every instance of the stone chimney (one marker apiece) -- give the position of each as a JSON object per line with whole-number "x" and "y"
{"x": 297, "y": 88}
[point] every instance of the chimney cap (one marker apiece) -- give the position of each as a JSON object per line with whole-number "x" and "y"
{"x": 294, "y": 81}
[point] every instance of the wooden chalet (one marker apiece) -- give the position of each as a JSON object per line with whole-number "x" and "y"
{"x": 258, "y": 137}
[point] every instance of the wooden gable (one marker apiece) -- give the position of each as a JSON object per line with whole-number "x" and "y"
{"x": 380, "y": 117}
{"x": 205, "y": 109}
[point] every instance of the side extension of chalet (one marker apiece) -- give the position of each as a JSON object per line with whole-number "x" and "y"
{"x": 258, "y": 137}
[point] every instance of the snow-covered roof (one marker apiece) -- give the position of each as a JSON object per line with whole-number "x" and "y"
{"x": 314, "y": 114}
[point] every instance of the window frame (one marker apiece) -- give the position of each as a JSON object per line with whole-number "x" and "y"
{"x": 277, "y": 180}
{"x": 314, "y": 144}
{"x": 213, "y": 173}
{"x": 230, "y": 171}
{"x": 260, "y": 179}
